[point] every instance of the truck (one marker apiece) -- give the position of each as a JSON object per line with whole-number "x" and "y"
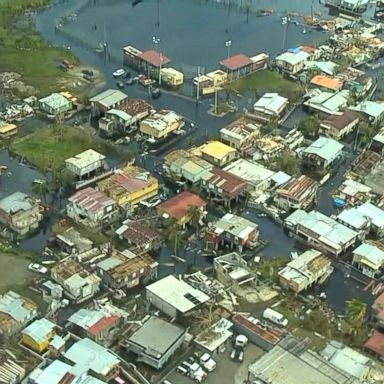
{"x": 207, "y": 362}
{"x": 197, "y": 373}
{"x": 275, "y": 317}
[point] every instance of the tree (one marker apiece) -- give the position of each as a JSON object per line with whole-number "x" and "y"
{"x": 273, "y": 125}
{"x": 288, "y": 163}
{"x": 356, "y": 311}
{"x": 173, "y": 235}
{"x": 309, "y": 126}
{"x": 195, "y": 214}
{"x": 40, "y": 188}
{"x": 365, "y": 132}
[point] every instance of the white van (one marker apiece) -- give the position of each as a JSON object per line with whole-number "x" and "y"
{"x": 275, "y": 317}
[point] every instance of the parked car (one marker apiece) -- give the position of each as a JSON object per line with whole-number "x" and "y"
{"x": 155, "y": 93}
{"x": 207, "y": 362}
{"x": 118, "y": 73}
{"x": 37, "y": 268}
{"x": 120, "y": 85}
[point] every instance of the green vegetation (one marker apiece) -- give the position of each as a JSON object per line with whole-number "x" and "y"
{"x": 310, "y": 126}
{"x": 23, "y": 51}
{"x": 49, "y": 147}
{"x": 267, "y": 81}
{"x": 287, "y": 163}
{"x": 270, "y": 268}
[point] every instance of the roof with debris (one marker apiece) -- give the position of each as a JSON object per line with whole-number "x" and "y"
{"x": 91, "y": 200}
{"x": 235, "y": 225}
{"x": 325, "y": 147}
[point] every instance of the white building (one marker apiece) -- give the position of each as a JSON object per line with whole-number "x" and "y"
{"x": 373, "y": 110}
{"x": 174, "y": 297}
{"x": 240, "y": 133}
{"x": 369, "y": 259}
{"x": 327, "y": 102}
{"x": 292, "y": 62}
{"x": 85, "y": 163}
{"x": 270, "y": 105}
{"x": 161, "y": 124}
{"x": 307, "y": 269}
{"x": 321, "y": 231}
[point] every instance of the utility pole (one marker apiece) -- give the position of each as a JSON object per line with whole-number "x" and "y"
{"x": 198, "y": 83}
{"x": 215, "y": 100}
{"x": 156, "y": 41}
{"x": 158, "y": 14}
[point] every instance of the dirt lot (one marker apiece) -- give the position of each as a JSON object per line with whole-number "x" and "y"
{"x": 14, "y": 272}
{"x": 227, "y": 371}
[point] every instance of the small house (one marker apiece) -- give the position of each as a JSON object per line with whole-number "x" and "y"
{"x": 217, "y": 153}
{"x": 55, "y": 104}
{"x": 339, "y": 126}
{"x": 369, "y": 259}
{"x": 151, "y": 61}
{"x": 109, "y": 99}
{"x": 292, "y": 62}
{"x": 330, "y": 103}
{"x": 240, "y": 133}
{"x": 171, "y": 77}
{"x": 86, "y": 164}
{"x": 161, "y": 124}
{"x": 7, "y": 130}
{"x": 38, "y": 335}
{"x": 373, "y": 110}
{"x": 236, "y": 66}
{"x": 270, "y": 106}
{"x": 327, "y": 83}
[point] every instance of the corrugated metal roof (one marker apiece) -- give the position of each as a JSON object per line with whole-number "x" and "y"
{"x": 85, "y": 318}
{"x": 109, "y": 97}
{"x": 325, "y": 147}
{"x": 15, "y": 202}
{"x": 12, "y": 304}
{"x": 39, "y": 330}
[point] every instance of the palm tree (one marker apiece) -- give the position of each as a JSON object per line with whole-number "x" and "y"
{"x": 173, "y": 235}
{"x": 195, "y": 214}
{"x": 356, "y": 311}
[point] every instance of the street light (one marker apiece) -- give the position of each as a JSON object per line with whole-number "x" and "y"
{"x": 156, "y": 41}
{"x": 228, "y": 44}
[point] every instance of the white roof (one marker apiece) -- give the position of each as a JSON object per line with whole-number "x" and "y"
{"x": 328, "y": 67}
{"x": 328, "y": 102}
{"x": 293, "y": 58}
{"x": 371, "y": 108}
{"x": 85, "y": 318}
{"x": 251, "y": 172}
{"x": 53, "y": 374}
{"x": 39, "y": 330}
{"x": 280, "y": 177}
{"x": 85, "y": 158}
{"x": 375, "y": 214}
{"x": 328, "y": 230}
{"x": 215, "y": 336}
{"x": 174, "y": 291}
{"x": 353, "y": 218}
{"x": 162, "y": 120}
{"x": 55, "y": 101}
{"x": 119, "y": 113}
{"x": 352, "y": 187}
{"x": 235, "y": 225}
{"x": 14, "y": 306}
{"x": 370, "y": 253}
{"x": 325, "y": 147}
{"x": 270, "y": 103}
{"x": 109, "y": 98}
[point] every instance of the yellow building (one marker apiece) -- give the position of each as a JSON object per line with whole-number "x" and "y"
{"x": 7, "y": 130}
{"x": 217, "y": 153}
{"x": 130, "y": 185}
{"x": 38, "y": 335}
{"x": 172, "y": 77}
{"x": 161, "y": 124}
{"x": 218, "y": 77}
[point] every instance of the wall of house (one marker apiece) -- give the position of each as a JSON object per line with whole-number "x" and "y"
{"x": 35, "y": 345}
{"x": 157, "y": 302}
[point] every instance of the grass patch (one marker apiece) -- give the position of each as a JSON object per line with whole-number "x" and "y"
{"x": 267, "y": 81}
{"x": 48, "y": 147}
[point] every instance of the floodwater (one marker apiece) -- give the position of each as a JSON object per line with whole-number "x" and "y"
{"x": 192, "y": 33}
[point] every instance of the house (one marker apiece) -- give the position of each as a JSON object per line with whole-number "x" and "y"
{"x": 307, "y": 269}
{"x": 95, "y": 324}
{"x": 339, "y": 126}
{"x": 12, "y": 372}
{"x": 322, "y": 153}
{"x": 161, "y": 124}
{"x": 38, "y": 335}
{"x": 15, "y": 312}
{"x": 373, "y": 110}
{"x": 217, "y": 153}
{"x": 7, "y": 130}
{"x": 369, "y": 259}
{"x": 375, "y": 344}
{"x": 237, "y": 232}
{"x": 327, "y": 83}
{"x": 91, "y": 208}
{"x": 377, "y": 143}
{"x": 236, "y": 66}
{"x": 216, "y": 338}
{"x": 156, "y": 342}
{"x": 296, "y": 193}
{"x": 378, "y": 311}
{"x": 321, "y": 231}
{"x": 295, "y": 362}
{"x": 129, "y": 185}
{"x": 270, "y": 106}
{"x": 90, "y": 357}
{"x": 20, "y": 214}
{"x": 223, "y": 184}
{"x": 127, "y": 114}
{"x": 292, "y": 62}
{"x": 109, "y": 99}
{"x": 348, "y": 360}
{"x": 353, "y": 193}
{"x": 218, "y": 77}
{"x": 351, "y": 218}
{"x": 330, "y": 103}
{"x": 184, "y": 165}
{"x": 179, "y": 207}
{"x": 139, "y": 235}
{"x": 267, "y": 147}
{"x": 131, "y": 57}
{"x": 55, "y": 104}
{"x": 232, "y": 270}
{"x": 86, "y": 163}
{"x": 174, "y": 297}
{"x": 326, "y": 67}
{"x": 151, "y": 61}
{"x": 126, "y": 270}
{"x": 264, "y": 337}
{"x": 79, "y": 285}
{"x": 57, "y": 372}
{"x": 257, "y": 177}
{"x": 210, "y": 82}
{"x": 171, "y": 77}
{"x": 240, "y": 133}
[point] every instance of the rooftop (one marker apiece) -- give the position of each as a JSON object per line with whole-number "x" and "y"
{"x": 327, "y": 82}
{"x": 328, "y": 102}
{"x": 17, "y": 307}
{"x": 235, "y": 225}
{"x": 179, "y": 205}
{"x": 16, "y": 202}
{"x": 373, "y": 109}
{"x": 85, "y": 158}
{"x": 372, "y": 254}
{"x": 212, "y": 338}
{"x": 39, "y": 330}
{"x": 154, "y": 58}
{"x": 134, "y": 107}
{"x": 270, "y": 103}
{"x": 339, "y": 122}
{"x": 217, "y": 150}
{"x": 327, "y": 67}
{"x": 240, "y": 128}
{"x": 296, "y": 187}
{"x": 109, "y": 98}
{"x": 91, "y": 200}
{"x": 325, "y": 147}
{"x": 55, "y": 101}
{"x": 156, "y": 336}
{"x": 138, "y": 234}
{"x": 293, "y": 58}
{"x": 375, "y": 343}
{"x": 177, "y": 293}
{"x": 162, "y": 120}
{"x": 236, "y": 62}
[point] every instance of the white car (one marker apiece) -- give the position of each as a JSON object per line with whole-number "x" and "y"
{"x": 207, "y": 362}
{"x": 37, "y": 268}
{"x": 119, "y": 72}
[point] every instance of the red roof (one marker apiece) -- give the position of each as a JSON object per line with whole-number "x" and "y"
{"x": 230, "y": 184}
{"x": 91, "y": 200}
{"x": 375, "y": 343}
{"x": 236, "y": 62}
{"x": 155, "y": 58}
{"x": 179, "y": 205}
{"x": 102, "y": 324}
{"x": 307, "y": 49}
